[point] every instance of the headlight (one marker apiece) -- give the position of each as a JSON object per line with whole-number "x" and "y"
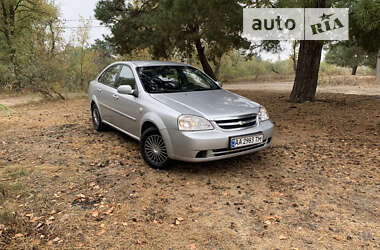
{"x": 263, "y": 114}
{"x": 193, "y": 123}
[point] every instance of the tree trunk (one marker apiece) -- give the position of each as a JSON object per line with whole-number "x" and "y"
{"x": 203, "y": 59}
{"x": 294, "y": 55}
{"x": 309, "y": 59}
{"x": 354, "y": 70}
{"x": 378, "y": 68}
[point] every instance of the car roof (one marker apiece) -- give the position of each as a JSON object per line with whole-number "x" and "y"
{"x": 155, "y": 63}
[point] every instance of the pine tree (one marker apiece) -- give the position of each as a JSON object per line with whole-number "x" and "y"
{"x": 169, "y": 27}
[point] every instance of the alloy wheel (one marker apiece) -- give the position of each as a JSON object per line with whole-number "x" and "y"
{"x": 155, "y": 149}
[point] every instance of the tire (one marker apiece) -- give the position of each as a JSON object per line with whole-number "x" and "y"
{"x": 96, "y": 118}
{"x": 153, "y": 149}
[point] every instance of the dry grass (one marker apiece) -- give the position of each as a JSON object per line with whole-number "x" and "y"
{"x": 347, "y": 80}
{"x": 324, "y": 79}
{"x": 15, "y": 171}
{"x": 264, "y": 78}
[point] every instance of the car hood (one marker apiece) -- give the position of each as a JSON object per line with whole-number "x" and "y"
{"x": 211, "y": 104}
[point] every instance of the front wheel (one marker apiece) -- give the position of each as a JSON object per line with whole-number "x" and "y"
{"x": 153, "y": 149}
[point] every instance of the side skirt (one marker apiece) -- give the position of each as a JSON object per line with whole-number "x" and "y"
{"x": 123, "y": 131}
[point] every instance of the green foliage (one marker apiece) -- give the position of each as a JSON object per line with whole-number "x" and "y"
{"x": 371, "y": 60}
{"x": 7, "y": 218}
{"x": 364, "y": 23}
{"x": 235, "y": 65}
{"x": 34, "y": 55}
{"x": 332, "y": 69}
{"x": 3, "y": 107}
{"x": 6, "y": 109}
{"x": 350, "y": 55}
{"x": 9, "y": 190}
{"x": 16, "y": 171}
{"x": 174, "y": 27}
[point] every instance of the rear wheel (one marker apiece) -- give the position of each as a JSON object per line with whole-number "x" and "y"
{"x": 96, "y": 118}
{"x": 153, "y": 149}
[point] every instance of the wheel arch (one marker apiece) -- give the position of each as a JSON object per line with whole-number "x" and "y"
{"x": 147, "y": 124}
{"x": 94, "y": 101}
{"x": 152, "y": 119}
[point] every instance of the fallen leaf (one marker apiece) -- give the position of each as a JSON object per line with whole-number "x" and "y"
{"x": 177, "y": 222}
{"x": 140, "y": 242}
{"x": 283, "y": 237}
{"x": 192, "y": 246}
{"x": 95, "y": 214}
{"x": 35, "y": 219}
{"x": 19, "y": 235}
{"x": 110, "y": 211}
{"x": 81, "y": 196}
{"x": 79, "y": 244}
{"x": 101, "y": 232}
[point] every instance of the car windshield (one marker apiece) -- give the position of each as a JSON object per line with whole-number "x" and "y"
{"x": 168, "y": 79}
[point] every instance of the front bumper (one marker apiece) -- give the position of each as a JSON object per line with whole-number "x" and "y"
{"x": 212, "y": 145}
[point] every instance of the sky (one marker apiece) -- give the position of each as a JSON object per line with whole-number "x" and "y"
{"x": 73, "y": 10}
{"x": 76, "y": 9}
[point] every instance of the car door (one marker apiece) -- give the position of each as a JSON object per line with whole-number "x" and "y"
{"x": 106, "y": 92}
{"x": 127, "y": 105}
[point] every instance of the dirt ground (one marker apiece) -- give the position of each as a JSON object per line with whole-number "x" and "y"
{"x": 285, "y": 87}
{"x": 64, "y": 185}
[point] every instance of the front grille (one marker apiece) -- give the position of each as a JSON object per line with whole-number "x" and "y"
{"x": 234, "y": 123}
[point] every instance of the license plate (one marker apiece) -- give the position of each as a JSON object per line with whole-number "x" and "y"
{"x": 246, "y": 140}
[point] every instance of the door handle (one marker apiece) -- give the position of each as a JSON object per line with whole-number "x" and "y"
{"x": 99, "y": 90}
{"x": 115, "y": 96}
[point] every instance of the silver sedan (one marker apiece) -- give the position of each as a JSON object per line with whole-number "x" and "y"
{"x": 177, "y": 112}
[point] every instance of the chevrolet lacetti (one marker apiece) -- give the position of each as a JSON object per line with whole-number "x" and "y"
{"x": 177, "y": 112}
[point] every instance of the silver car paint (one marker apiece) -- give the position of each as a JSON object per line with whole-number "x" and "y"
{"x": 128, "y": 113}
{"x": 212, "y": 104}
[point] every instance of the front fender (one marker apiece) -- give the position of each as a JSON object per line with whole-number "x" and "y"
{"x": 159, "y": 123}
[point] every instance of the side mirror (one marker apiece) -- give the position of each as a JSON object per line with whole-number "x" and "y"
{"x": 125, "y": 90}
{"x": 220, "y": 84}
